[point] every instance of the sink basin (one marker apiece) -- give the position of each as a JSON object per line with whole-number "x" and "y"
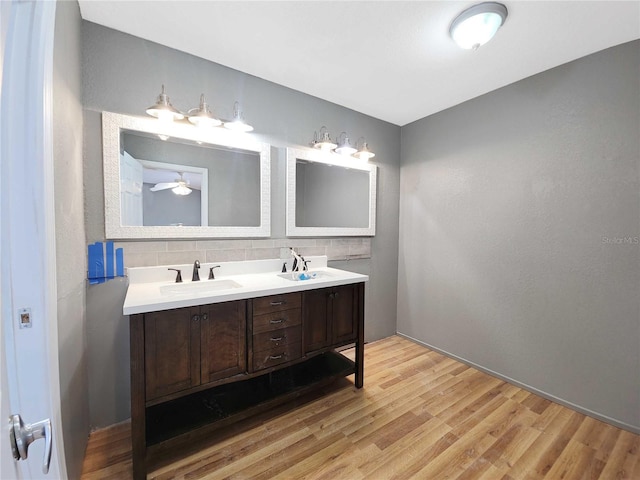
{"x": 198, "y": 288}
{"x": 314, "y": 276}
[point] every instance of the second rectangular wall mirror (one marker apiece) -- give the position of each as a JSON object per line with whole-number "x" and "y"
{"x": 178, "y": 181}
{"x": 329, "y": 195}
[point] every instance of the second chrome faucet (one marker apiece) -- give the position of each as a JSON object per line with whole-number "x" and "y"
{"x": 196, "y": 275}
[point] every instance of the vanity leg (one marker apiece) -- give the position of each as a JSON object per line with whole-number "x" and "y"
{"x": 360, "y": 340}
{"x": 138, "y": 418}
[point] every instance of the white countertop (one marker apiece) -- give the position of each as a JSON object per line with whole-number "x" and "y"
{"x": 154, "y": 288}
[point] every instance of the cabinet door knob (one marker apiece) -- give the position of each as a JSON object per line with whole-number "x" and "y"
{"x": 205, "y": 317}
{"x": 195, "y": 318}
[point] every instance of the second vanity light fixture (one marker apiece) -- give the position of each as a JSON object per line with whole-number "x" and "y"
{"x": 238, "y": 122}
{"x": 477, "y": 25}
{"x": 344, "y": 147}
{"x": 200, "y": 116}
{"x": 163, "y": 110}
{"x": 322, "y": 141}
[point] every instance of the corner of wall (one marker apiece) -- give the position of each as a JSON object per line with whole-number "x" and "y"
{"x": 70, "y": 234}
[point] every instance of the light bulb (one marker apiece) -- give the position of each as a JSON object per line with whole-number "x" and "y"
{"x": 165, "y": 116}
{"x": 181, "y": 190}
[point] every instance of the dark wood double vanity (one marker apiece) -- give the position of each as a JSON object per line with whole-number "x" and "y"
{"x": 200, "y": 368}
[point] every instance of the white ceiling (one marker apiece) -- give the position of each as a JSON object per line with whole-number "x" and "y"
{"x": 393, "y": 60}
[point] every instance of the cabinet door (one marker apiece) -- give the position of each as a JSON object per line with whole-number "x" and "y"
{"x": 314, "y": 319}
{"x": 344, "y": 314}
{"x": 223, "y": 336}
{"x": 172, "y": 351}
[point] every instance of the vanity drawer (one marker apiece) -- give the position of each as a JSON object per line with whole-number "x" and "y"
{"x": 276, "y": 356}
{"x": 276, "y": 303}
{"x": 276, "y": 338}
{"x": 276, "y": 321}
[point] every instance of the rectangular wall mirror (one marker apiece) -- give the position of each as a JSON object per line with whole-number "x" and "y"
{"x": 329, "y": 195}
{"x": 178, "y": 181}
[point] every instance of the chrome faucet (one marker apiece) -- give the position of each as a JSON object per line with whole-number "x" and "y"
{"x": 178, "y": 276}
{"x": 196, "y": 275}
{"x": 299, "y": 263}
{"x": 211, "y": 274}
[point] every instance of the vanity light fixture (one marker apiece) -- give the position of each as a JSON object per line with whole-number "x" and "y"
{"x": 363, "y": 152}
{"x": 344, "y": 147}
{"x": 477, "y": 25}
{"x": 163, "y": 110}
{"x": 202, "y": 116}
{"x": 238, "y": 124}
{"x": 322, "y": 140}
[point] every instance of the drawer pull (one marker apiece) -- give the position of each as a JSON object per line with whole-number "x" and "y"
{"x": 281, "y": 302}
{"x": 276, "y": 357}
{"x": 277, "y": 339}
{"x": 274, "y": 322}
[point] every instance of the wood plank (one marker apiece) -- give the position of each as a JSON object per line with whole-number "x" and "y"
{"x": 573, "y": 463}
{"x": 408, "y": 454}
{"x": 618, "y": 463}
{"x": 419, "y": 415}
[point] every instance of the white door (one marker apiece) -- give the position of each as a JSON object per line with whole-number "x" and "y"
{"x": 29, "y": 355}
{"x": 7, "y": 467}
{"x": 131, "y": 182}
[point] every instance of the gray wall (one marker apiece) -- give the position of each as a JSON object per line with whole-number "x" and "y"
{"x": 123, "y": 74}
{"x": 70, "y": 236}
{"x": 519, "y": 227}
{"x": 166, "y": 208}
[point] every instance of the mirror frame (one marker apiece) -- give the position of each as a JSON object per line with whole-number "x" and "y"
{"x": 293, "y": 154}
{"x": 114, "y": 123}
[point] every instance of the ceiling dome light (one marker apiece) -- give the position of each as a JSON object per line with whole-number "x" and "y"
{"x": 238, "y": 124}
{"x": 163, "y": 110}
{"x": 477, "y": 25}
{"x": 202, "y": 116}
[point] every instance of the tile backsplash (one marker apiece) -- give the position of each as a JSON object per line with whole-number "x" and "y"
{"x": 153, "y": 253}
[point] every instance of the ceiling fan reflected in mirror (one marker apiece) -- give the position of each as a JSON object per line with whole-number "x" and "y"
{"x": 180, "y": 186}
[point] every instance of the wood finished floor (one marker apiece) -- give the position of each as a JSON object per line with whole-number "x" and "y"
{"x": 421, "y": 415}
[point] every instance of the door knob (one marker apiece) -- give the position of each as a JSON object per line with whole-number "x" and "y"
{"x": 21, "y": 436}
